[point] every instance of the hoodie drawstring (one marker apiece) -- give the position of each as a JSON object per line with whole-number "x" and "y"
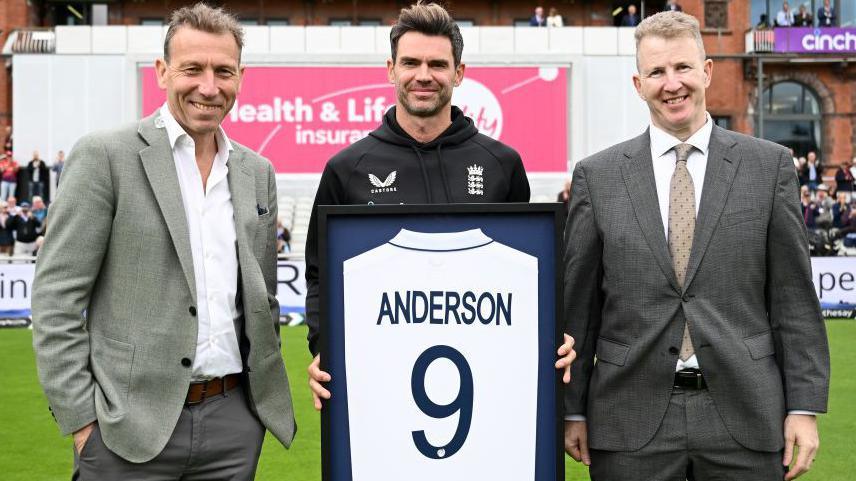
{"x": 443, "y": 173}
{"x": 424, "y": 175}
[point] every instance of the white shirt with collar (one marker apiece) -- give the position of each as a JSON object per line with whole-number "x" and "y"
{"x": 211, "y": 225}
{"x": 785, "y": 19}
{"x": 663, "y": 156}
{"x": 450, "y": 265}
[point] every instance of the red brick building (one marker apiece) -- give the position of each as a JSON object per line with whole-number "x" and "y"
{"x": 810, "y": 100}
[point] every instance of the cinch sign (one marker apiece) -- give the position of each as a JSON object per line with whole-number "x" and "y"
{"x": 299, "y": 117}
{"x": 816, "y": 40}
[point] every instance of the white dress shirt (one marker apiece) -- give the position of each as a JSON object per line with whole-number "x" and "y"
{"x": 785, "y": 19}
{"x": 211, "y": 224}
{"x": 663, "y": 156}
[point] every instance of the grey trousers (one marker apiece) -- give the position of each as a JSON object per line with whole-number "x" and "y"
{"x": 692, "y": 444}
{"x": 218, "y": 439}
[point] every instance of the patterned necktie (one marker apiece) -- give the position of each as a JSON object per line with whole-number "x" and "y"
{"x": 682, "y": 226}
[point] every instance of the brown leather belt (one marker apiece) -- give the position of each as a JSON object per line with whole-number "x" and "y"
{"x": 200, "y": 391}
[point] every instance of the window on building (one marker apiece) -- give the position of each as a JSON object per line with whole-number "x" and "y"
{"x": 70, "y": 13}
{"x": 521, "y": 22}
{"x": 848, "y": 13}
{"x": 152, "y": 22}
{"x": 716, "y": 14}
{"x": 369, "y": 22}
{"x": 792, "y": 117}
{"x": 340, "y": 22}
{"x": 248, "y": 22}
{"x": 758, "y": 17}
{"x": 467, "y": 22}
{"x": 723, "y": 121}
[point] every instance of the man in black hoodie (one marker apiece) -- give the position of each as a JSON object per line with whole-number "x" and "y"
{"x": 425, "y": 152}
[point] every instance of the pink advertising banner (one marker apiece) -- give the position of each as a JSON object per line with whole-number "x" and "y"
{"x": 299, "y": 117}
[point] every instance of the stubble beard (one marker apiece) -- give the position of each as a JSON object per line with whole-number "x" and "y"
{"x": 444, "y": 97}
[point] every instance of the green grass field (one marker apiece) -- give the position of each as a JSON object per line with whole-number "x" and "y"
{"x": 34, "y": 451}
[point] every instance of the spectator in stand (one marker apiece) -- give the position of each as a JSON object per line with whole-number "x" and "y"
{"x": 803, "y": 17}
{"x": 808, "y": 207}
{"x": 12, "y": 206}
{"x": 564, "y": 197}
{"x": 824, "y": 203}
{"x": 283, "y": 239}
{"x": 40, "y": 212}
{"x": 630, "y": 19}
{"x": 554, "y": 19}
{"x": 26, "y": 229}
{"x": 6, "y": 238}
{"x": 826, "y": 15}
{"x": 8, "y": 176}
{"x": 58, "y": 165}
{"x": 785, "y": 18}
{"x": 538, "y": 19}
{"x": 844, "y": 179}
{"x": 672, "y": 6}
{"x": 841, "y": 212}
{"x": 801, "y": 162}
{"x": 762, "y": 24}
{"x": 38, "y": 177}
{"x": 7, "y": 143}
{"x": 811, "y": 171}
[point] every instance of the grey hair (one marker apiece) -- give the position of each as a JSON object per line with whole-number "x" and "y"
{"x": 669, "y": 25}
{"x": 204, "y": 18}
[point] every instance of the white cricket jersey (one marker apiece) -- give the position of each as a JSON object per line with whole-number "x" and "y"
{"x": 458, "y": 289}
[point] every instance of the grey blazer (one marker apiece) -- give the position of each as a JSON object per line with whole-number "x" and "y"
{"x": 753, "y": 315}
{"x": 114, "y": 293}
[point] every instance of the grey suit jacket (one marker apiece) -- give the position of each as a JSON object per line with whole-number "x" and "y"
{"x": 753, "y": 315}
{"x": 114, "y": 290}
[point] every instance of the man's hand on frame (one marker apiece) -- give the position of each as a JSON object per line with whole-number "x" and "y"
{"x": 316, "y": 378}
{"x": 566, "y": 357}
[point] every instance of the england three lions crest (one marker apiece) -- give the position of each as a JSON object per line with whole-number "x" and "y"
{"x": 475, "y": 180}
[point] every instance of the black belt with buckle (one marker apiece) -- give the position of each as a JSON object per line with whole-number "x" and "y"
{"x": 690, "y": 379}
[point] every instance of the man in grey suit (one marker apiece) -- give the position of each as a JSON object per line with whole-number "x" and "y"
{"x": 154, "y": 311}
{"x": 702, "y": 351}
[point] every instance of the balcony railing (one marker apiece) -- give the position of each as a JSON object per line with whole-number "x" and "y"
{"x": 802, "y": 40}
{"x": 760, "y": 41}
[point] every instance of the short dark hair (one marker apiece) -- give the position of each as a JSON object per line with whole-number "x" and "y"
{"x": 429, "y": 19}
{"x": 204, "y": 18}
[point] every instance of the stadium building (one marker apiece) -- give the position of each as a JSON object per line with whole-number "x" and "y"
{"x": 89, "y": 59}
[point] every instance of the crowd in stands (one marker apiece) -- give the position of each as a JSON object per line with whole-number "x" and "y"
{"x": 24, "y": 197}
{"x": 786, "y": 17}
{"x": 630, "y": 18}
{"x": 829, "y": 211}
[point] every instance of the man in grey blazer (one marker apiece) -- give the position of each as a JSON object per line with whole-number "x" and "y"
{"x": 702, "y": 350}
{"x": 154, "y": 311}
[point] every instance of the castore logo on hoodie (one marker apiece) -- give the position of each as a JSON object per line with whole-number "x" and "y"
{"x": 384, "y": 186}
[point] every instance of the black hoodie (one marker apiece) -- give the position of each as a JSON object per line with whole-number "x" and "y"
{"x": 391, "y": 167}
